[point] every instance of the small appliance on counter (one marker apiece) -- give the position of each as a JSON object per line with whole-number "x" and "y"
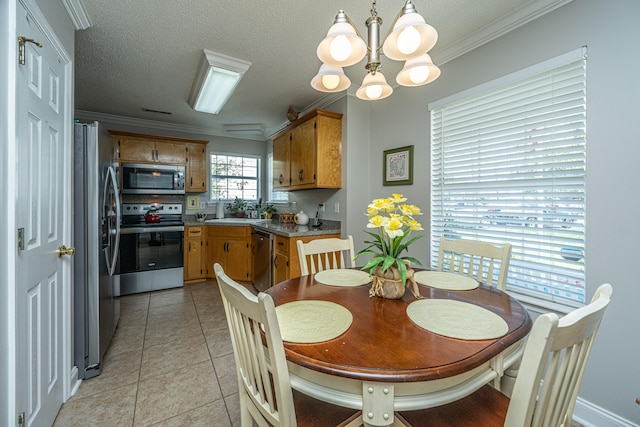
{"x": 301, "y": 218}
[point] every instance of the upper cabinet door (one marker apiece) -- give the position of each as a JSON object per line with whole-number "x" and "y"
{"x": 308, "y": 154}
{"x": 174, "y": 153}
{"x": 281, "y": 161}
{"x": 196, "y": 168}
{"x": 136, "y": 150}
{"x": 303, "y": 154}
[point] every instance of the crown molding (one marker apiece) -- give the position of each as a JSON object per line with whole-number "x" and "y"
{"x": 153, "y": 124}
{"x": 78, "y": 14}
{"x": 321, "y": 103}
{"x": 519, "y": 17}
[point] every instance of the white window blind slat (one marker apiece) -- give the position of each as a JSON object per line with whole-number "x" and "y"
{"x": 508, "y": 165}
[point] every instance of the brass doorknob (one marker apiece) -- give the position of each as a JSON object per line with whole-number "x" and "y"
{"x": 63, "y": 250}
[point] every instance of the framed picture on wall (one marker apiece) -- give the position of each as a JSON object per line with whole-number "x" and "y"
{"x": 193, "y": 202}
{"x": 398, "y": 166}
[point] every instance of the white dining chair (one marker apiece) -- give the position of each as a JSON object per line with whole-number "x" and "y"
{"x": 325, "y": 254}
{"x": 547, "y": 386}
{"x": 265, "y": 392}
{"x": 485, "y": 262}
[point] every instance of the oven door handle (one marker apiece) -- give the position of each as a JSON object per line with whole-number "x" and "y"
{"x": 138, "y": 230}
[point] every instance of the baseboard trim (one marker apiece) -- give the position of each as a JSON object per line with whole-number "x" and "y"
{"x": 590, "y": 415}
{"x": 74, "y": 383}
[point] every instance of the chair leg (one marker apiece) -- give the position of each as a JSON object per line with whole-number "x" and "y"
{"x": 353, "y": 421}
{"x": 399, "y": 421}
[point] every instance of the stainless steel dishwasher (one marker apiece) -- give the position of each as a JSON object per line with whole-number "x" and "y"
{"x": 262, "y": 259}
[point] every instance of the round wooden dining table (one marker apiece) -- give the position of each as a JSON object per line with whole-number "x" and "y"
{"x": 384, "y": 362}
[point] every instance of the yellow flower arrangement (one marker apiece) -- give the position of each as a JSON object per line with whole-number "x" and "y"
{"x": 394, "y": 221}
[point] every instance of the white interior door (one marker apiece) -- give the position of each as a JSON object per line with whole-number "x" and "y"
{"x": 43, "y": 151}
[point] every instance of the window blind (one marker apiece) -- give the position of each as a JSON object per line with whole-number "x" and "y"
{"x": 508, "y": 165}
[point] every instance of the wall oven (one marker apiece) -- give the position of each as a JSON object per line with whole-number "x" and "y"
{"x": 151, "y": 248}
{"x": 152, "y": 179}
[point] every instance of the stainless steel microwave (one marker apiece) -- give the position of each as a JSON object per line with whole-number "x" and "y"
{"x": 152, "y": 179}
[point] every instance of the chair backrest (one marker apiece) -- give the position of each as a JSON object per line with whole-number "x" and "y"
{"x": 482, "y": 261}
{"x": 325, "y": 254}
{"x": 553, "y": 364}
{"x": 263, "y": 378}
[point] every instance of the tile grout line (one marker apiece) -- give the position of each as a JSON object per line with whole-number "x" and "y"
{"x": 144, "y": 338}
{"x": 222, "y": 397}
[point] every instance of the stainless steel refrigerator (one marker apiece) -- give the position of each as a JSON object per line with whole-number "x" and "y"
{"x": 96, "y": 238}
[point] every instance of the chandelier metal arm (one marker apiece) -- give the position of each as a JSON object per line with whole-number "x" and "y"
{"x": 354, "y": 26}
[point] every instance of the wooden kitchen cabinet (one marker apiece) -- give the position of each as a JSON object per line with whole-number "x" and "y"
{"x": 308, "y": 153}
{"x": 143, "y": 148}
{"x": 230, "y": 246}
{"x": 286, "y": 263}
{"x": 147, "y": 150}
{"x": 195, "y": 254}
{"x": 196, "y": 173}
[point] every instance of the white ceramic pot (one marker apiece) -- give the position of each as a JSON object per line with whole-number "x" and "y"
{"x": 301, "y": 218}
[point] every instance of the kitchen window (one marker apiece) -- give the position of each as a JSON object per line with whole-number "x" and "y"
{"x": 234, "y": 175}
{"x": 508, "y": 163}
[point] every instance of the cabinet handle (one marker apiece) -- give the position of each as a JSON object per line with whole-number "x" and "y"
{"x": 275, "y": 262}
{"x": 300, "y": 174}
{"x": 191, "y": 185}
{"x": 189, "y": 246}
{"x": 281, "y": 179}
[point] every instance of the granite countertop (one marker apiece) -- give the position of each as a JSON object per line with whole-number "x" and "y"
{"x": 284, "y": 229}
{"x": 293, "y": 230}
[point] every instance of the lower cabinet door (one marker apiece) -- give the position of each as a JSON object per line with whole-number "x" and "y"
{"x": 234, "y": 256}
{"x": 280, "y": 268}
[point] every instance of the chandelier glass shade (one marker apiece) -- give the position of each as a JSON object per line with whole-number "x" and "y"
{"x": 409, "y": 40}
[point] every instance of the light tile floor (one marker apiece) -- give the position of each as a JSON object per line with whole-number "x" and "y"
{"x": 170, "y": 364}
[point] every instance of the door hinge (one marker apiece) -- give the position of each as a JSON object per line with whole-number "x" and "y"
{"x": 21, "y": 41}
{"x": 21, "y": 421}
{"x": 21, "y": 239}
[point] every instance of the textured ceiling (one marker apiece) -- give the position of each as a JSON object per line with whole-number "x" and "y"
{"x": 143, "y": 54}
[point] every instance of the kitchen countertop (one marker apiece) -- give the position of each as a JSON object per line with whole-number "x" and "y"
{"x": 275, "y": 227}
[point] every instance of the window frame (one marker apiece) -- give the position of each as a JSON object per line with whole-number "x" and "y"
{"x": 257, "y": 178}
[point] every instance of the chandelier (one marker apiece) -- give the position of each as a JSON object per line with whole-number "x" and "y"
{"x": 409, "y": 40}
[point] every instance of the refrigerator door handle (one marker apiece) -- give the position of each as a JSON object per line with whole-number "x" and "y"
{"x": 111, "y": 253}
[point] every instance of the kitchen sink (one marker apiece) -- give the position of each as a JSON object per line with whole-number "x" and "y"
{"x": 244, "y": 221}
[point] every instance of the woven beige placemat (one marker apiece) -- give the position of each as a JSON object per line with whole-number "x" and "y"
{"x": 456, "y": 319}
{"x": 343, "y": 277}
{"x": 312, "y": 321}
{"x": 445, "y": 280}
